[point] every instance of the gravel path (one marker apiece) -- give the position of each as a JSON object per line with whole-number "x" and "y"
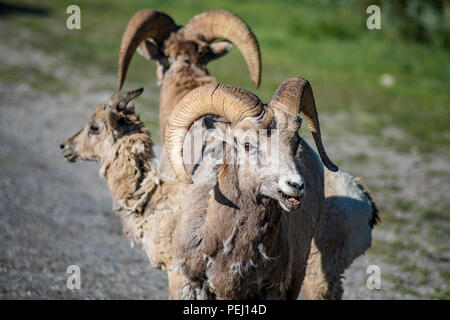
{"x": 54, "y": 214}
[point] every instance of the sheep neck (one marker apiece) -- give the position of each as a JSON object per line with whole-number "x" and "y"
{"x": 131, "y": 180}
{"x": 255, "y": 220}
{"x": 179, "y": 80}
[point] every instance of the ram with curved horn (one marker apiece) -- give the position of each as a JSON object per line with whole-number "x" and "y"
{"x": 212, "y": 99}
{"x": 247, "y": 231}
{"x": 181, "y": 53}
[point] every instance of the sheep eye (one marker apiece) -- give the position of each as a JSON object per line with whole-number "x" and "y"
{"x": 247, "y": 146}
{"x": 93, "y": 128}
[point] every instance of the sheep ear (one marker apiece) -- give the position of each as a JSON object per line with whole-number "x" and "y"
{"x": 218, "y": 49}
{"x": 214, "y": 122}
{"x": 151, "y": 51}
{"x": 218, "y": 129}
{"x": 130, "y": 107}
{"x": 112, "y": 120}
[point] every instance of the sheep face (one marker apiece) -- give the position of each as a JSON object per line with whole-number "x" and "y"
{"x": 181, "y": 52}
{"x": 284, "y": 181}
{"x": 110, "y": 122}
{"x": 271, "y": 172}
{"x": 265, "y": 158}
{"x": 94, "y": 141}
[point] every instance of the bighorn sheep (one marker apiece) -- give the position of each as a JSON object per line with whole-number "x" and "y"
{"x": 149, "y": 205}
{"x": 182, "y": 53}
{"x": 247, "y": 231}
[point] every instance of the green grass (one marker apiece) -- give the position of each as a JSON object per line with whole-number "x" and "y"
{"x": 431, "y": 214}
{"x": 442, "y": 295}
{"x": 324, "y": 41}
{"x": 403, "y": 205}
{"x": 410, "y": 276}
{"x": 390, "y": 218}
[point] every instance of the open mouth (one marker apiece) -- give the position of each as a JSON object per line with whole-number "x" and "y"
{"x": 288, "y": 202}
{"x": 70, "y": 157}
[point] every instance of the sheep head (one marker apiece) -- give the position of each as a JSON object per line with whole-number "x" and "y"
{"x": 269, "y": 165}
{"x": 109, "y": 123}
{"x": 156, "y": 36}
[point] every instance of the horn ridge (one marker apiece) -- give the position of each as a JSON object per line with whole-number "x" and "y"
{"x": 296, "y": 95}
{"x": 222, "y": 24}
{"x": 229, "y": 102}
{"x": 144, "y": 24}
{"x": 123, "y": 99}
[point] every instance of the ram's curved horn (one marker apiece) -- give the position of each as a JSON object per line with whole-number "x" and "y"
{"x": 222, "y": 24}
{"x": 118, "y": 100}
{"x": 231, "y": 103}
{"x": 146, "y": 23}
{"x": 295, "y": 95}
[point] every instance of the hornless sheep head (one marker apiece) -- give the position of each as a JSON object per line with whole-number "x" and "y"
{"x": 156, "y": 36}
{"x": 107, "y": 125}
{"x": 269, "y": 165}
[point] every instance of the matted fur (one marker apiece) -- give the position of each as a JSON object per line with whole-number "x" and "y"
{"x": 234, "y": 243}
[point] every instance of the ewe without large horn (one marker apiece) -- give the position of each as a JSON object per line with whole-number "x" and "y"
{"x": 222, "y": 24}
{"x": 231, "y": 103}
{"x": 295, "y": 95}
{"x": 144, "y": 24}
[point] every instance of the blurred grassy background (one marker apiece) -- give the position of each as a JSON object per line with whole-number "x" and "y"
{"x": 326, "y": 42}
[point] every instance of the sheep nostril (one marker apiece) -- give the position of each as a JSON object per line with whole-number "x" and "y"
{"x": 294, "y": 184}
{"x": 302, "y": 187}
{"x": 62, "y": 146}
{"x": 301, "y": 190}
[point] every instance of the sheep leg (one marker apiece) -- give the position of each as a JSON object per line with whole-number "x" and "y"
{"x": 322, "y": 279}
{"x": 295, "y": 285}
